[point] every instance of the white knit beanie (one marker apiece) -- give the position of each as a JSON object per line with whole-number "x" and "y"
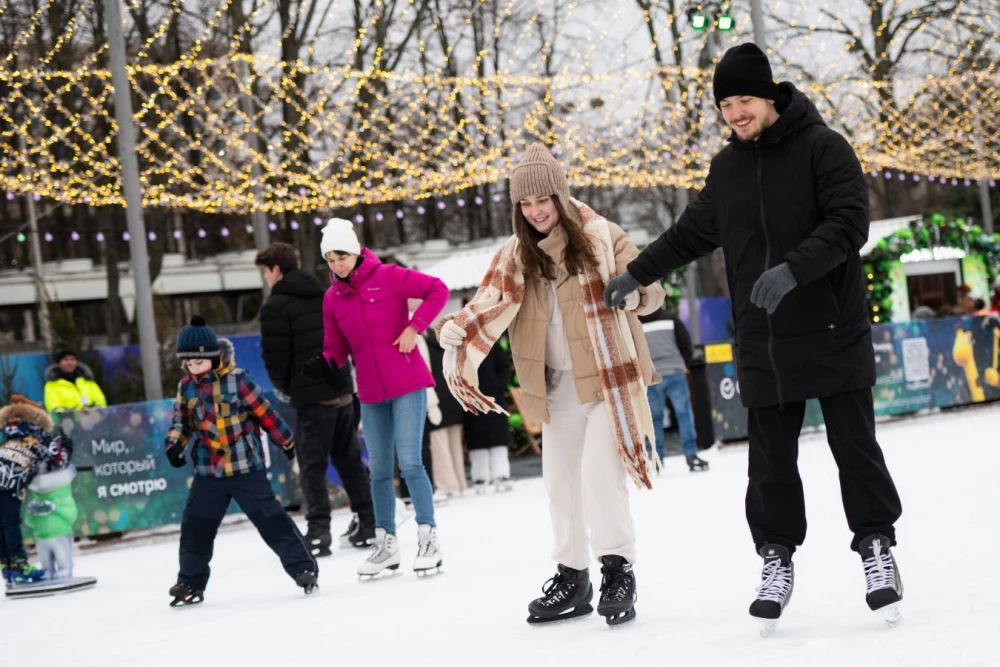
{"x": 339, "y": 236}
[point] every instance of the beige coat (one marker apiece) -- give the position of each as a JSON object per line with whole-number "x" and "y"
{"x": 527, "y": 330}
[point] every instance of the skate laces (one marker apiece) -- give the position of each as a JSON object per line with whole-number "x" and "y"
{"x": 777, "y": 581}
{"x": 427, "y": 545}
{"x": 614, "y": 584}
{"x": 379, "y": 549}
{"x": 879, "y": 570}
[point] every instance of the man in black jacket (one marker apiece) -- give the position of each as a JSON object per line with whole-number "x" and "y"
{"x": 291, "y": 327}
{"x": 787, "y": 202}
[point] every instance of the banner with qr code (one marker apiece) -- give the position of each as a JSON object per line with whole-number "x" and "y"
{"x": 921, "y": 364}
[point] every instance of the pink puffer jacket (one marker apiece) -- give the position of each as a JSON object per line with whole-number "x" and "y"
{"x": 363, "y": 316}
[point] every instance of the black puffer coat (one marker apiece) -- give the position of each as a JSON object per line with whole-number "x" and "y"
{"x": 488, "y": 430}
{"x": 291, "y": 333}
{"x": 797, "y": 195}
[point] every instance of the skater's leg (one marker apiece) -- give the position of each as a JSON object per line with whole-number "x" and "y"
{"x": 500, "y": 462}
{"x": 656, "y": 394}
{"x": 605, "y": 493}
{"x": 409, "y": 412}
{"x": 480, "y": 460}
{"x": 345, "y": 454}
{"x": 871, "y": 502}
{"x": 254, "y": 495}
{"x": 377, "y": 420}
{"x": 10, "y": 526}
{"x": 314, "y": 428}
{"x": 206, "y": 506}
{"x": 457, "y": 454}
{"x": 775, "y": 506}
{"x": 442, "y": 466}
{"x": 63, "y": 556}
{"x": 680, "y": 396}
{"x": 561, "y": 461}
{"x": 47, "y": 557}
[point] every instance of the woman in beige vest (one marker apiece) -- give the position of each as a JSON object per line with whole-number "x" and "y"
{"x": 542, "y": 288}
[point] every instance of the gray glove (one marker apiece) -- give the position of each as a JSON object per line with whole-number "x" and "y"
{"x": 772, "y": 286}
{"x": 618, "y": 288}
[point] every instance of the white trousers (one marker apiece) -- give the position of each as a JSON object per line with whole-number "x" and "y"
{"x": 584, "y": 479}
{"x": 56, "y": 556}
{"x": 490, "y": 465}
{"x": 447, "y": 459}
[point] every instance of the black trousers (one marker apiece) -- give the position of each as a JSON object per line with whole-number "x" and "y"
{"x": 11, "y": 546}
{"x": 330, "y": 433}
{"x": 775, "y": 505}
{"x": 206, "y": 506}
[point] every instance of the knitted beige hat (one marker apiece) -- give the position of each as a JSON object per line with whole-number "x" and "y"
{"x": 538, "y": 174}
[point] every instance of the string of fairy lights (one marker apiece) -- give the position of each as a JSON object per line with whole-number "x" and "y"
{"x": 332, "y": 135}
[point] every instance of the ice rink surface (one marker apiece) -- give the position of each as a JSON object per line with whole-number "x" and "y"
{"x": 696, "y": 577}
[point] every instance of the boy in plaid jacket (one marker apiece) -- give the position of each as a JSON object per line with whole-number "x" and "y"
{"x": 218, "y": 416}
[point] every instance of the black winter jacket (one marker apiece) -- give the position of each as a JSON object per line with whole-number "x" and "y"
{"x": 796, "y": 195}
{"x": 291, "y": 333}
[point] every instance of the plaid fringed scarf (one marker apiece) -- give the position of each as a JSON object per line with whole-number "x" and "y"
{"x": 494, "y": 307}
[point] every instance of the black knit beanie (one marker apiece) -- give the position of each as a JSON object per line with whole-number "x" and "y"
{"x": 197, "y": 341}
{"x": 63, "y": 352}
{"x": 744, "y": 70}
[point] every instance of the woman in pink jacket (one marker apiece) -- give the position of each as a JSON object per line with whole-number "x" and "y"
{"x": 366, "y": 316}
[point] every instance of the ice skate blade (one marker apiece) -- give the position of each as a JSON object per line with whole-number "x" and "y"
{"x": 768, "y": 626}
{"x": 423, "y": 573}
{"x": 180, "y": 603}
{"x": 387, "y": 573}
{"x": 576, "y": 613}
{"x": 319, "y": 552}
{"x": 615, "y": 620}
{"x": 892, "y": 614}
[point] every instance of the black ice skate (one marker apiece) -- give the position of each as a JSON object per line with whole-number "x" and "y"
{"x": 884, "y": 586}
{"x": 618, "y": 595}
{"x": 566, "y": 595}
{"x": 185, "y": 595}
{"x": 319, "y": 542}
{"x": 776, "y": 582}
{"x": 307, "y": 581}
{"x": 364, "y": 536}
{"x": 695, "y": 464}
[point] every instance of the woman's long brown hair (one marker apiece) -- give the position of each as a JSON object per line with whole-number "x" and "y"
{"x": 579, "y": 251}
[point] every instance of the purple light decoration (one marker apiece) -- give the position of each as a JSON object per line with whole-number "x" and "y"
{"x": 318, "y": 221}
{"x": 902, "y": 177}
{"x": 874, "y": 174}
{"x": 272, "y": 226}
{"x": 10, "y": 196}
{"x": 225, "y": 231}
{"x": 37, "y": 197}
{"x": 368, "y": 184}
{"x": 359, "y": 218}
{"x": 993, "y": 183}
{"x": 126, "y": 237}
{"x": 400, "y": 214}
{"x": 86, "y": 200}
{"x": 967, "y": 183}
{"x": 295, "y": 224}
{"x": 441, "y": 205}
{"x": 461, "y": 203}
{"x": 933, "y": 135}
{"x": 479, "y": 201}
{"x": 496, "y": 199}
{"x": 379, "y": 217}
{"x": 48, "y": 237}
{"x": 954, "y": 181}
{"x": 888, "y": 175}
{"x": 151, "y": 236}
{"x": 100, "y": 236}
{"x": 177, "y": 234}
{"x": 421, "y": 210}
{"x": 202, "y": 233}
{"x": 916, "y": 178}
{"x": 302, "y": 192}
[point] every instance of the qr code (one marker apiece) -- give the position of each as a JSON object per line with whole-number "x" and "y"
{"x": 916, "y": 360}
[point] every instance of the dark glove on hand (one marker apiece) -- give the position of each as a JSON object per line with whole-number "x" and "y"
{"x": 176, "y": 457}
{"x": 318, "y": 368}
{"x": 618, "y": 288}
{"x": 289, "y": 452}
{"x": 772, "y": 286}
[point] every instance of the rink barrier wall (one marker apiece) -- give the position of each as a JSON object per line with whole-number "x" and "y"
{"x": 920, "y": 365}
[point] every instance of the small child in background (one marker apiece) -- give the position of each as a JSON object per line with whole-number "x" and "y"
{"x": 50, "y": 514}
{"x": 218, "y": 416}
{"x": 27, "y": 444}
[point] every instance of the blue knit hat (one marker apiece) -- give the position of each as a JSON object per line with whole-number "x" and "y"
{"x": 197, "y": 341}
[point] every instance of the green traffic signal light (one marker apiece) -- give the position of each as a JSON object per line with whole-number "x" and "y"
{"x": 699, "y": 21}
{"x": 726, "y": 23}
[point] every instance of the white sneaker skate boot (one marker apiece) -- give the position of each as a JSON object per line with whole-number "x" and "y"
{"x": 428, "y": 559}
{"x": 384, "y": 556}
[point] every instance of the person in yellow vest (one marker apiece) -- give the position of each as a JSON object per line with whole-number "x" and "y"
{"x": 69, "y": 384}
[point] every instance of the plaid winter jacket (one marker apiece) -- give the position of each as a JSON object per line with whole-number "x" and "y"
{"x": 220, "y": 415}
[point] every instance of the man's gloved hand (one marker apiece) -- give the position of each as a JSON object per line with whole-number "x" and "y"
{"x": 289, "y": 452}
{"x": 319, "y": 369}
{"x": 618, "y": 289}
{"x": 176, "y": 457}
{"x": 772, "y": 286}
{"x": 452, "y": 335}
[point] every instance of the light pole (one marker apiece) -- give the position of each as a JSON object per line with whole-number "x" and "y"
{"x": 36, "y": 255}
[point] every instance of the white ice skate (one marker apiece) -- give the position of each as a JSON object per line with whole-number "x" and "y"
{"x": 384, "y": 556}
{"x": 502, "y": 485}
{"x": 428, "y": 559}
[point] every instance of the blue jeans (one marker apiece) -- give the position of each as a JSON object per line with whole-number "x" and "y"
{"x": 674, "y": 387}
{"x": 398, "y": 425}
